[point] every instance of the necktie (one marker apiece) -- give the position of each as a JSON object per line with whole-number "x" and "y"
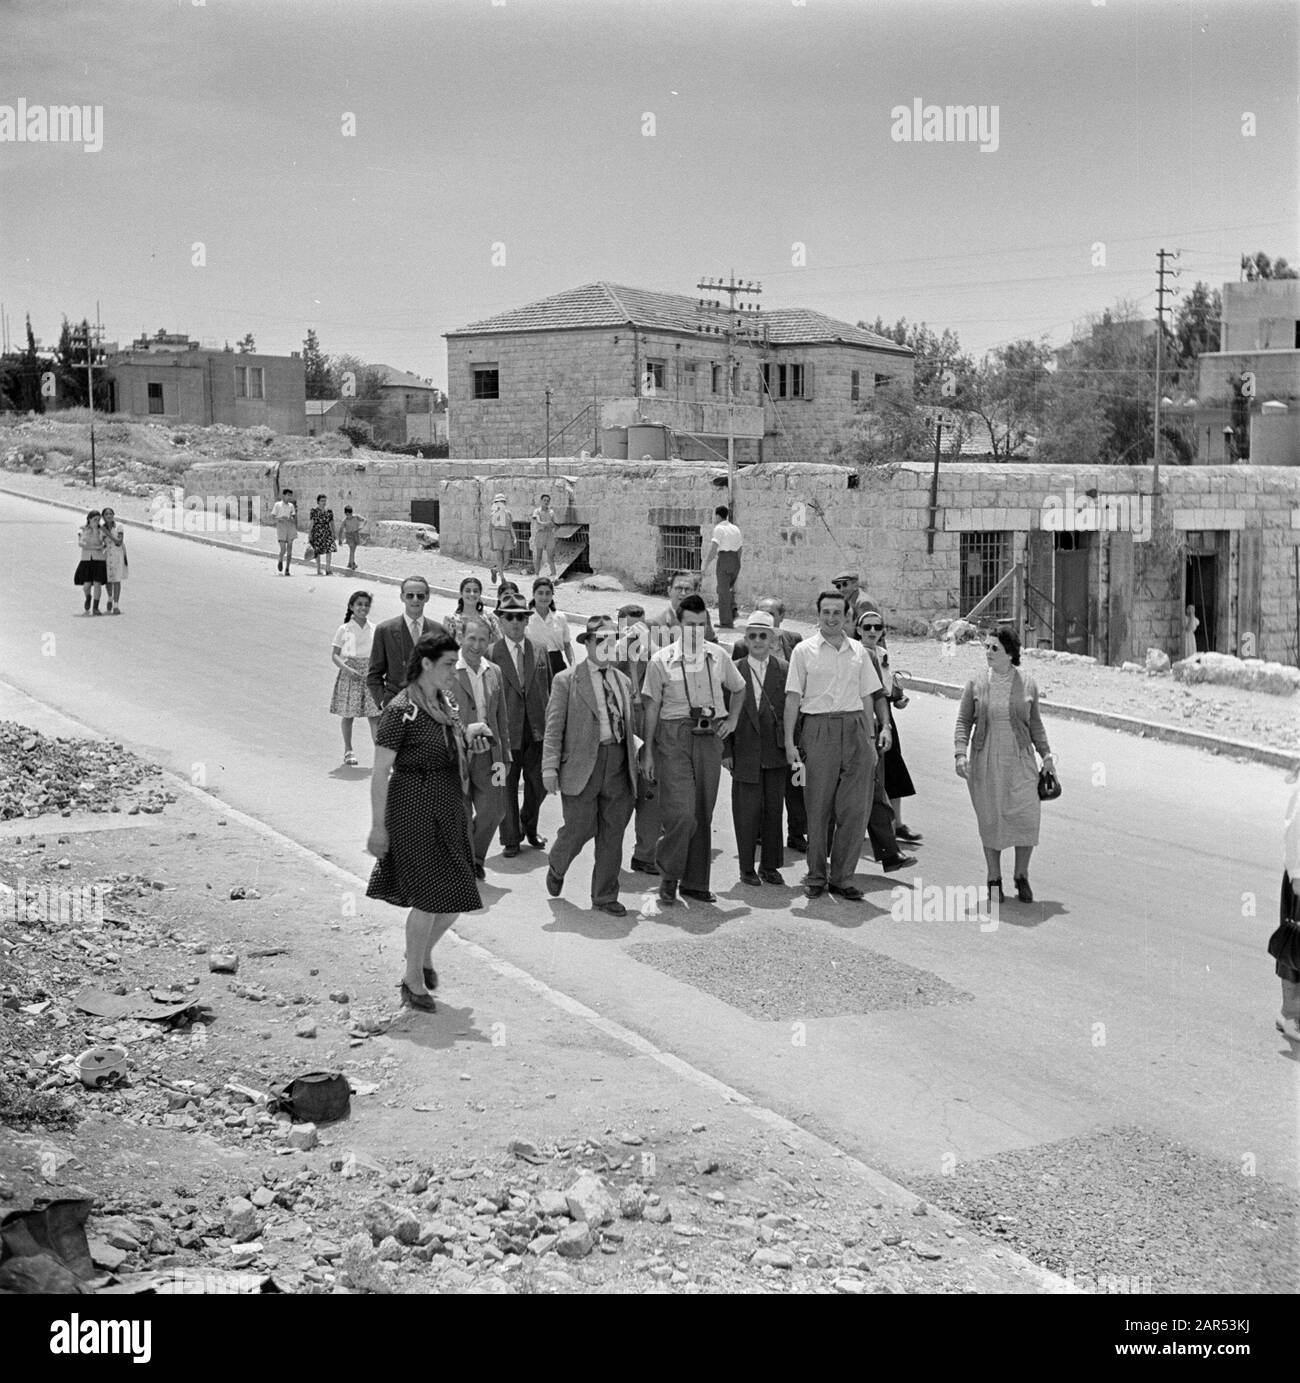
{"x": 518, "y": 651}
{"x": 612, "y": 706}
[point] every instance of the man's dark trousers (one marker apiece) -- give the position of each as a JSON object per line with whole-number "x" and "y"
{"x": 526, "y": 763}
{"x": 602, "y": 809}
{"x": 688, "y": 768}
{"x": 728, "y": 573}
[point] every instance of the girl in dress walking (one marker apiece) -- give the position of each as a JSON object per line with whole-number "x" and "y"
{"x": 470, "y": 603}
{"x": 548, "y": 629}
{"x": 351, "y": 655}
{"x": 321, "y": 537}
{"x": 114, "y": 560}
{"x": 91, "y": 570}
{"x": 285, "y": 513}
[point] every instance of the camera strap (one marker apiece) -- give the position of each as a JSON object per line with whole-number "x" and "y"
{"x": 686, "y": 685}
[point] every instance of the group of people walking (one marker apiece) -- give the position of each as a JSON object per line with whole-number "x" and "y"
{"x": 103, "y": 563}
{"x": 323, "y": 538}
{"x": 465, "y": 710}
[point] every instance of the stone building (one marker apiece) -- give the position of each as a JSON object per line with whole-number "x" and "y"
{"x": 1099, "y": 574}
{"x": 623, "y": 365}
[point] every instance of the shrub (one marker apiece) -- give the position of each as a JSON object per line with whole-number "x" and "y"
{"x": 359, "y": 433}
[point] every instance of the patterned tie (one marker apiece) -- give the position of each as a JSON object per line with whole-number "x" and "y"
{"x": 612, "y": 706}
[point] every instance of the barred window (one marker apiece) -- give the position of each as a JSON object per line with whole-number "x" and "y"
{"x": 985, "y": 560}
{"x": 679, "y": 547}
{"x": 487, "y": 382}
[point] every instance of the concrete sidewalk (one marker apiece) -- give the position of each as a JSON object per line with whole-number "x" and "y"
{"x": 389, "y": 566}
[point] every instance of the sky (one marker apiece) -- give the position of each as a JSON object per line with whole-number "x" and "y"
{"x": 385, "y": 171}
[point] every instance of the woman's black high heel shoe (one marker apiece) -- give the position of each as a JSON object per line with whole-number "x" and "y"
{"x": 1023, "y": 891}
{"x": 995, "y": 884}
{"x": 424, "y": 1002}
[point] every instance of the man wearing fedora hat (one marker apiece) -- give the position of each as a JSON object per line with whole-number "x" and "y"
{"x": 526, "y": 682}
{"x": 501, "y": 535}
{"x": 589, "y": 758}
{"x": 848, "y": 583}
{"x": 756, "y": 754}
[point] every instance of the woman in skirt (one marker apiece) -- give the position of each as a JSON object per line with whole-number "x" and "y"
{"x": 898, "y": 781}
{"x": 548, "y": 629}
{"x": 419, "y": 829}
{"x": 470, "y": 603}
{"x": 351, "y": 655}
{"x": 114, "y": 560}
{"x": 1284, "y": 944}
{"x": 91, "y": 570}
{"x": 285, "y": 513}
{"x": 321, "y": 536}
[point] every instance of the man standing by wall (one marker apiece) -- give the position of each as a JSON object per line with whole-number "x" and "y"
{"x": 685, "y": 724}
{"x": 478, "y": 688}
{"x": 725, "y": 550}
{"x": 526, "y": 677}
{"x": 589, "y": 758}
{"x": 830, "y": 689}
{"x": 542, "y": 536}
{"x": 501, "y": 536}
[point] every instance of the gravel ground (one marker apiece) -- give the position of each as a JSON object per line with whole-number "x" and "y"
{"x": 783, "y": 974}
{"x": 1133, "y": 1207}
{"x": 1254, "y": 717}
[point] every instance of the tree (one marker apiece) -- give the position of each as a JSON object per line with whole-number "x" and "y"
{"x": 368, "y": 400}
{"x": 248, "y": 346}
{"x": 1009, "y": 391}
{"x": 1197, "y": 322}
{"x": 938, "y": 359}
{"x": 893, "y": 429}
{"x": 316, "y": 367}
{"x": 1259, "y": 266}
{"x": 20, "y": 378}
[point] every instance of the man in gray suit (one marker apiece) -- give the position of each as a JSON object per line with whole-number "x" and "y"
{"x": 589, "y": 758}
{"x": 395, "y": 640}
{"x": 526, "y": 676}
{"x": 480, "y": 696}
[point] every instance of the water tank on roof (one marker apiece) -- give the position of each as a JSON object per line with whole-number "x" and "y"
{"x": 649, "y": 439}
{"x": 613, "y": 442}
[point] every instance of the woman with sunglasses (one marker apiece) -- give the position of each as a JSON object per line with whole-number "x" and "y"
{"x": 548, "y": 629}
{"x": 998, "y": 729}
{"x": 470, "y": 603}
{"x": 898, "y": 781}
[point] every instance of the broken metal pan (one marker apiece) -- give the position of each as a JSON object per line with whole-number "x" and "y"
{"x": 98, "y": 1065}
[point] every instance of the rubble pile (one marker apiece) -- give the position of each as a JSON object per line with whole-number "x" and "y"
{"x": 39, "y": 775}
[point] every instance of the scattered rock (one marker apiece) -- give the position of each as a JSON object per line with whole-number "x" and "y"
{"x": 589, "y": 1200}
{"x": 223, "y": 962}
{"x": 575, "y": 1241}
{"x": 241, "y": 1219}
{"x": 303, "y": 1137}
{"x": 632, "y": 1202}
{"x": 773, "y": 1258}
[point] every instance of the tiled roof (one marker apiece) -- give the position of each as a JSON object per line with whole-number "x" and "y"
{"x": 401, "y": 379}
{"x": 603, "y": 305}
{"x": 976, "y": 438}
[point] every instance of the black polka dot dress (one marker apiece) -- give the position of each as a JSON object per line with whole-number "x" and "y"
{"x": 430, "y": 859}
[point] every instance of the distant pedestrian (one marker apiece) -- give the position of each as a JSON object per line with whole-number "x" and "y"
{"x": 897, "y": 781}
{"x": 832, "y": 703}
{"x": 1190, "y": 625}
{"x": 542, "y": 536}
{"x": 470, "y": 603}
{"x": 92, "y": 571}
{"x": 350, "y": 533}
{"x": 1284, "y": 944}
{"x": 589, "y": 758}
{"x": 724, "y": 548}
{"x": 285, "y": 513}
{"x": 321, "y": 537}
{"x": 686, "y": 722}
{"x": 501, "y": 535}
{"x": 481, "y": 697}
{"x": 549, "y": 629}
{"x": 395, "y": 640}
{"x": 634, "y": 649}
{"x": 848, "y": 585}
{"x": 353, "y": 642}
{"x": 755, "y": 754}
{"x": 115, "y": 564}
{"x": 526, "y": 677}
{"x": 683, "y": 583}
{"x": 998, "y": 729}
{"x": 419, "y": 830}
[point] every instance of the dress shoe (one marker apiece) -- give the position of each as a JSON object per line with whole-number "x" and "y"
{"x": 799, "y": 843}
{"x": 851, "y": 892}
{"x": 615, "y": 909}
{"x": 480, "y": 872}
{"x": 1023, "y": 891}
{"x": 908, "y": 837}
{"x": 424, "y": 1002}
{"x": 537, "y": 842}
{"x": 430, "y": 977}
{"x": 996, "y": 884}
{"x": 1288, "y": 1027}
{"x": 701, "y": 895}
{"x": 748, "y": 876}
{"x": 668, "y": 891}
{"x": 899, "y": 861}
{"x": 770, "y": 876}
{"x": 814, "y": 890}
{"x": 554, "y": 883}
{"x": 644, "y": 866}
{"x": 510, "y": 852}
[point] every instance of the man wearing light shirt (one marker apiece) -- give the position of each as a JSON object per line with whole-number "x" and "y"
{"x": 831, "y": 692}
{"x": 725, "y": 550}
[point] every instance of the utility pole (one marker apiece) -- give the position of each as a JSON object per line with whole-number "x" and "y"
{"x": 90, "y": 339}
{"x": 548, "y": 433}
{"x": 934, "y": 483}
{"x": 1161, "y": 290}
{"x": 740, "y": 323}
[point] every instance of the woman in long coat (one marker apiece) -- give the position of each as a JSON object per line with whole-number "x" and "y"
{"x": 998, "y": 729}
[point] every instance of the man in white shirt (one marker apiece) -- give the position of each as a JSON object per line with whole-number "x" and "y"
{"x": 479, "y": 695}
{"x": 685, "y": 724}
{"x": 725, "y": 550}
{"x": 831, "y": 692}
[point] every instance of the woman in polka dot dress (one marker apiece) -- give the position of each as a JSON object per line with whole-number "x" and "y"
{"x": 420, "y": 830}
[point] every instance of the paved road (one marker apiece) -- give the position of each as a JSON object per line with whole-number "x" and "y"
{"x": 1135, "y": 992}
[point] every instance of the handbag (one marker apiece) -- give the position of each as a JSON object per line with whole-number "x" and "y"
{"x": 1049, "y": 785}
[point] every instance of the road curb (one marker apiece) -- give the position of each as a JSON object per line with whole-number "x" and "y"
{"x": 1106, "y": 720}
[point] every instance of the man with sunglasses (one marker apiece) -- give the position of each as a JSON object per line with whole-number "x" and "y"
{"x": 526, "y": 677}
{"x": 847, "y": 583}
{"x": 755, "y": 755}
{"x": 395, "y": 641}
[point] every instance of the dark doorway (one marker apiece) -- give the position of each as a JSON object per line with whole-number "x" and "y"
{"x": 427, "y": 511}
{"x": 1072, "y": 634}
{"x": 1202, "y": 583}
